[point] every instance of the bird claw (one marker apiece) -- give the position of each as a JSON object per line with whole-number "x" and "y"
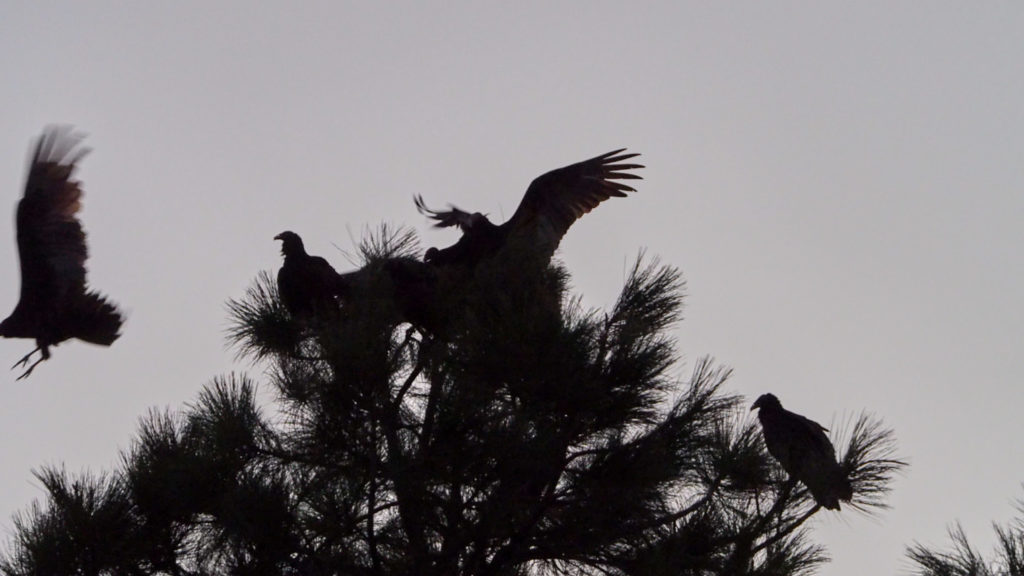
{"x": 24, "y": 360}
{"x": 29, "y": 371}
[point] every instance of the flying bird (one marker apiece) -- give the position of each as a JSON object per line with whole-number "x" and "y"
{"x": 55, "y": 304}
{"x": 306, "y": 284}
{"x": 551, "y": 204}
{"x": 804, "y": 451}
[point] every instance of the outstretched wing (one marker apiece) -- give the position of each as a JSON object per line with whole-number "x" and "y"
{"x": 452, "y": 217}
{"x": 558, "y": 198}
{"x": 51, "y": 241}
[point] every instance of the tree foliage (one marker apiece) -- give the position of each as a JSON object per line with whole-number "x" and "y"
{"x": 965, "y": 560}
{"x": 530, "y": 436}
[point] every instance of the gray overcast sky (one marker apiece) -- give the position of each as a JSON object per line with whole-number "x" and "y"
{"x": 841, "y": 184}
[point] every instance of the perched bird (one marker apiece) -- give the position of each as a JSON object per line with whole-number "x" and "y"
{"x": 309, "y": 285}
{"x": 306, "y": 284}
{"x": 55, "y": 305}
{"x": 804, "y": 450}
{"x": 551, "y": 204}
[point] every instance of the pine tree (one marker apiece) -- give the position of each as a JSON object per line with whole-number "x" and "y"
{"x": 965, "y": 560}
{"x": 523, "y": 434}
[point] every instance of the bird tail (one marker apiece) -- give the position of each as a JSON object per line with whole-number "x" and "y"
{"x": 843, "y": 489}
{"x": 834, "y": 487}
{"x": 96, "y": 320}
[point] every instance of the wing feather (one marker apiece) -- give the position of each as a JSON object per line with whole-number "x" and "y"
{"x": 51, "y": 241}
{"x": 558, "y": 198}
{"x": 451, "y": 217}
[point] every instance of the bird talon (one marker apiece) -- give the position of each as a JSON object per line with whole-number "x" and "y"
{"x": 30, "y": 368}
{"x": 27, "y": 372}
{"x": 23, "y": 361}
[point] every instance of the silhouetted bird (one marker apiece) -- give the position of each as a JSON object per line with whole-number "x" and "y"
{"x": 551, "y": 204}
{"x": 306, "y": 284}
{"x": 54, "y": 305}
{"x": 804, "y": 450}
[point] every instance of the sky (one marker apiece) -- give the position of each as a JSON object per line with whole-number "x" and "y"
{"x": 841, "y": 184}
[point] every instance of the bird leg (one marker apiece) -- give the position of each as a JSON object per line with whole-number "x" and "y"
{"x": 24, "y": 361}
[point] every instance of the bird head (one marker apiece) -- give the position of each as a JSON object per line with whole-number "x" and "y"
{"x": 766, "y": 401}
{"x": 430, "y": 255}
{"x": 290, "y": 243}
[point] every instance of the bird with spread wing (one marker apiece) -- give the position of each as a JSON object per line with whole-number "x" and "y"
{"x": 550, "y": 206}
{"x": 55, "y": 304}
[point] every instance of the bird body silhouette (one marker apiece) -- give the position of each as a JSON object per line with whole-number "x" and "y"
{"x": 306, "y": 284}
{"x": 803, "y": 449}
{"x": 310, "y": 286}
{"x": 55, "y": 304}
{"x": 551, "y": 204}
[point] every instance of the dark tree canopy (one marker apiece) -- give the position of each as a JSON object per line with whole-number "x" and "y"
{"x": 55, "y": 304}
{"x": 803, "y": 449}
{"x": 535, "y": 438}
{"x": 964, "y": 559}
{"x": 551, "y": 204}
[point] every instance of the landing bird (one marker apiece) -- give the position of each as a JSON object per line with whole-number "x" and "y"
{"x": 551, "y": 204}
{"x": 55, "y": 305}
{"x": 804, "y": 451}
